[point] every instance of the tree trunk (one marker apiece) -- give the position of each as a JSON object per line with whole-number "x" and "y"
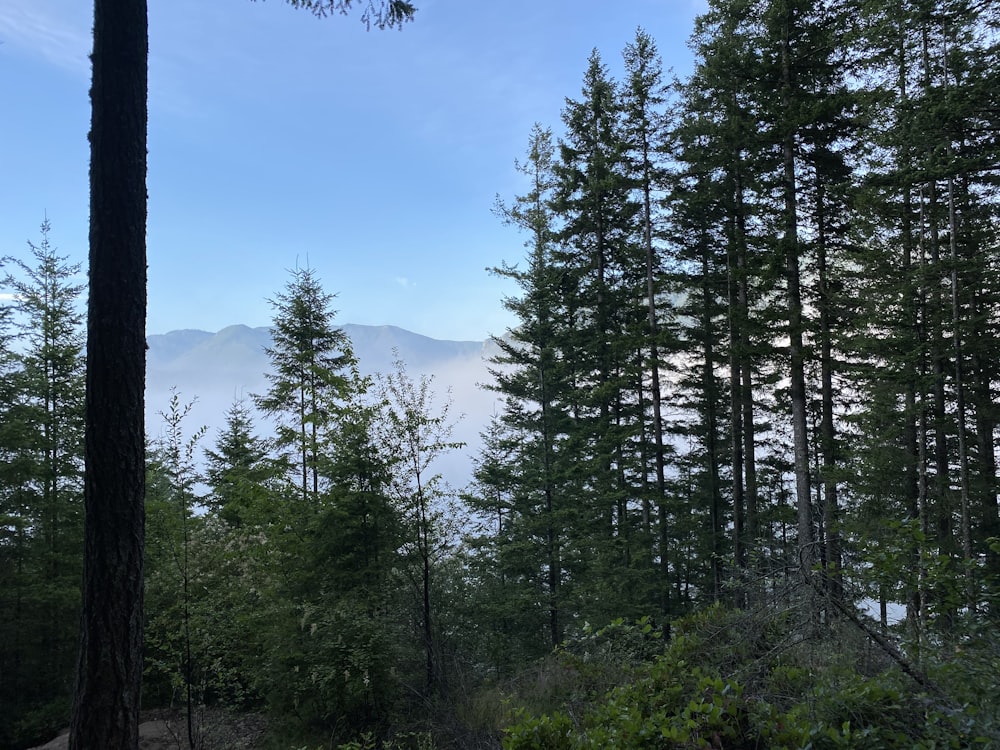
{"x": 735, "y": 315}
{"x": 790, "y": 243}
{"x": 744, "y": 464}
{"x": 913, "y": 477}
{"x": 960, "y": 400}
{"x": 710, "y": 424}
{"x": 106, "y": 701}
{"x": 828, "y": 437}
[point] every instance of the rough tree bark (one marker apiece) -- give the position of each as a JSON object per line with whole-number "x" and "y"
{"x": 106, "y": 701}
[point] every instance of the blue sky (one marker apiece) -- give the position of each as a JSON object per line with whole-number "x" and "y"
{"x": 278, "y": 139}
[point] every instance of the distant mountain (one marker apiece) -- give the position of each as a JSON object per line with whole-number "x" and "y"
{"x": 239, "y": 350}
{"x": 214, "y": 369}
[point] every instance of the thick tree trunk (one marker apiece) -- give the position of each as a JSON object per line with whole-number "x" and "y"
{"x": 106, "y": 702}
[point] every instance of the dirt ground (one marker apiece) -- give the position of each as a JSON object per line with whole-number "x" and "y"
{"x": 167, "y": 730}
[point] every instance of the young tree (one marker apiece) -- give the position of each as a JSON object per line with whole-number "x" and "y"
{"x": 240, "y": 471}
{"x": 506, "y": 553}
{"x": 350, "y": 587}
{"x": 417, "y": 431}
{"x": 171, "y": 513}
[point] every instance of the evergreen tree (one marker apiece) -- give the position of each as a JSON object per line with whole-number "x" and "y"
{"x": 240, "y": 471}
{"x": 603, "y": 261}
{"x": 533, "y": 374}
{"x": 339, "y": 652}
{"x": 698, "y": 225}
{"x": 16, "y": 576}
{"x": 43, "y": 427}
{"x": 171, "y": 521}
{"x": 643, "y": 100}
{"x": 506, "y": 554}
{"x": 723, "y": 167}
{"x": 804, "y": 59}
{"x": 308, "y": 358}
{"x": 928, "y": 207}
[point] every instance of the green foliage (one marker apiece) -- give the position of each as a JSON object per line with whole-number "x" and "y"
{"x": 399, "y": 741}
{"x": 548, "y": 732}
{"x": 803, "y": 245}
{"x": 311, "y": 363}
{"x": 41, "y": 491}
{"x": 170, "y": 505}
{"x": 241, "y": 472}
{"x": 382, "y": 13}
{"x": 285, "y": 593}
{"x": 689, "y": 696}
{"x": 332, "y": 670}
{"x": 415, "y": 431}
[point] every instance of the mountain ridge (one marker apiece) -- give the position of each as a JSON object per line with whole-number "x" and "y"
{"x": 232, "y": 346}
{"x": 211, "y": 371}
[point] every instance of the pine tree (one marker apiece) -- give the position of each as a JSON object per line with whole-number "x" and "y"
{"x": 341, "y": 604}
{"x": 308, "y": 359}
{"x": 16, "y": 574}
{"x": 926, "y": 197}
{"x": 44, "y": 425}
{"x": 533, "y": 374}
{"x": 722, "y": 155}
{"x": 817, "y": 134}
{"x": 697, "y": 220}
{"x": 602, "y": 258}
{"x": 240, "y": 471}
{"x": 643, "y": 100}
{"x": 506, "y": 553}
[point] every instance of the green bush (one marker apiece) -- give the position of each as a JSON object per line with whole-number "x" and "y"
{"x": 808, "y": 694}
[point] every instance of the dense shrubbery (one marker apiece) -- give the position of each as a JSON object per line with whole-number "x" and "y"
{"x": 731, "y": 679}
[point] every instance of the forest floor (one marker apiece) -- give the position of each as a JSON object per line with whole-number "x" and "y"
{"x": 167, "y": 730}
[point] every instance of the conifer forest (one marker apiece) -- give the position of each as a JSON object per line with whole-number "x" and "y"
{"x": 742, "y": 489}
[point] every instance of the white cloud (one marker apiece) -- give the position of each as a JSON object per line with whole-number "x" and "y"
{"x": 405, "y": 282}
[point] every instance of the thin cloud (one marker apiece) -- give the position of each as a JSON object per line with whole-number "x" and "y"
{"x": 47, "y": 33}
{"x": 405, "y": 282}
